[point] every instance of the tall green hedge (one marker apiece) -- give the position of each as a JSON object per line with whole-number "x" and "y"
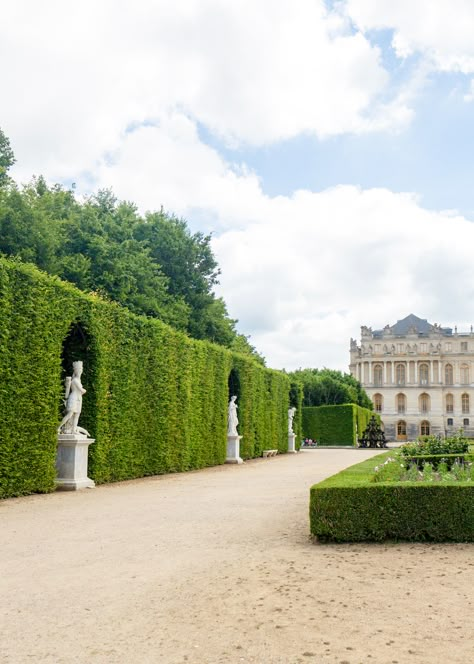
{"x": 156, "y": 400}
{"x": 335, "y": 425}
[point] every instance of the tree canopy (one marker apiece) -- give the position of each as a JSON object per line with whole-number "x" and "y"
{"x": 152, "y": 264}
{"x": 330, "y": 387}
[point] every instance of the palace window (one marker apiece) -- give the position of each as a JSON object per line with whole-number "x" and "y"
{"x": 464, "y": 374}
{"x": 401, "y": 403}
{"x": 423, "y": 348}
{"x": 449, "y": 403}
{"x": 424, "y": 374}
{"x": 378, "y": 403}
{"x": 448, "y": 374}
{"x": 400, "y": 374}
{"x": 400, "y": 348}
{"x": 378, "y": 375}
{"x": 401, "y": 428}
{"x": 465, "y": 422}
{"x": 463, "y": 346}
{"x": 425, "y": 428}
{"x": 424, "y": 403}
{"x": 450, "y": 421}
{"x": 465, "y": 403}
{"x": 448, "y": 347}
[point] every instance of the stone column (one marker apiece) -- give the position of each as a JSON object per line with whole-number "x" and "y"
{"x": 233, "y": 449}
{"x": 370, "y": 373}
{"x": 72, "y": 461}
{"x": 416, "y": 372}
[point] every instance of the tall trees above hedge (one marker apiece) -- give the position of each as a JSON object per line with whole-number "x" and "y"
{"x": 323, "y": 387}
{"x": 152, "y": 264}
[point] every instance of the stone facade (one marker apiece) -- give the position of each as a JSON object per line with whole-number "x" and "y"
{"x": 419, "y": 376}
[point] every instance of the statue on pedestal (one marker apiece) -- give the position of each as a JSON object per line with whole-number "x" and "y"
{"x": 232, "y": 420}
{"x": 73, "y": 402}
{"x": 291, "y": 414}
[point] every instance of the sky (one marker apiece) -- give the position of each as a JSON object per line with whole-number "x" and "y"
{"x": 327, "y": 146}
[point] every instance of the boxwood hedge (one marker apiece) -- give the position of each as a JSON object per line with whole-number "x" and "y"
{"x": 349, "y": 507}
{"x": 156, "y": 400}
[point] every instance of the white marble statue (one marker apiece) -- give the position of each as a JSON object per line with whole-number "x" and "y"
{"x": 73, "y": 402}
{"x": 291, "y": 414}
{"x": 232, "y": 420}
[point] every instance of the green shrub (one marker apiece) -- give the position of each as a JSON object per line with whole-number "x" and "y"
{"x": 349, "y": 507}
{"x": 335, "y": 425}
{"x": 156, "y": 400}
{"x": 434, "y": 445}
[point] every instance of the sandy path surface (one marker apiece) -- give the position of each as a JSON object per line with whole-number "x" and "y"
{"x": 217, "y": 566}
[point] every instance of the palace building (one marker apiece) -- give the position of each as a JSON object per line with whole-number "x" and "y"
{"x": 419, "y": 376}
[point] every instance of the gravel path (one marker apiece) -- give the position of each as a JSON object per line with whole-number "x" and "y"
{"x": 217, "y": 566}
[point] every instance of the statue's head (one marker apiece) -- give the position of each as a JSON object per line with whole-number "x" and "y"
{"x": 77, "y": 367}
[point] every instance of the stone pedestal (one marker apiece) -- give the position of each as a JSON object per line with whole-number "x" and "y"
{"x": 71, "y": 462}
{"x": 291, "y": 443}
{"x": 233, "y": 449}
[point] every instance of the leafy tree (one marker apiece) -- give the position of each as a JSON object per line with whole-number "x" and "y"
{"x": 7, "y": 159}
{"x": 241, "y": 344}
{"x": 330, "y": 387}
{"x": 188, "y": 262}
{"x": 153, "y": 264}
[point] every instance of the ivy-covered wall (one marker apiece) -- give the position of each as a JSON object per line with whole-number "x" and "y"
{"x": 335, "y": 425}
{"x": 156, "y": 400}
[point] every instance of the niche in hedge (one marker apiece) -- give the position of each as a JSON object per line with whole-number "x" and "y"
{"x": 234, "y": 384}
{"x": 77, "y": 345}
{"x": 293, "y": 396}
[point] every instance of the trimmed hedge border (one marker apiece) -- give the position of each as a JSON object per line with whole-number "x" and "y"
{"x": 156, "y": 400}
{"x": 349, "y": 507}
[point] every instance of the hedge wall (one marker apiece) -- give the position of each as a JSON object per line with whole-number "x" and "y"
{"x": 335, "y": 425}
{"x": 349, "y": 507}
{"x": 156, "y": 400}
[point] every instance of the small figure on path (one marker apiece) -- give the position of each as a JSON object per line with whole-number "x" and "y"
{"x": 291, "y": 414}
{"x": 232, "y": 420}
{"x": 73, "y": 402}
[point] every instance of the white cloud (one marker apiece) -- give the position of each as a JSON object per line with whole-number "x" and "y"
{"x": 76, "y": 75}
{"x": 440, "y": 30}
{"x": 116, "y": 93}
{"x": 303, "y": 272}
{"x": 337, "y": 259}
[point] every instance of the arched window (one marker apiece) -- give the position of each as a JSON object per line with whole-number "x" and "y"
{"x": 400, "y": 374}
{"x": 401, "y": 430}
{"x": 424, "y": 374}
{"x": 448, "y": 374}
{"x": 424, "y": 403}
{"x": 378, "y": 375}
{"x": 465, "y": 403}
{"x": 401, "y": 403}
{"x": 425, "y": 428}
{"x": 449, "y": 403}
{"x": 378, "y": 403}
{"x": 464, "y": 374}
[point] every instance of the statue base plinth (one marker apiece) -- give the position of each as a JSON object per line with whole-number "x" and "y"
{"x": 71, "y": 462}
{"x": 233, "y": 449}
{"x": 291, "y": 443}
